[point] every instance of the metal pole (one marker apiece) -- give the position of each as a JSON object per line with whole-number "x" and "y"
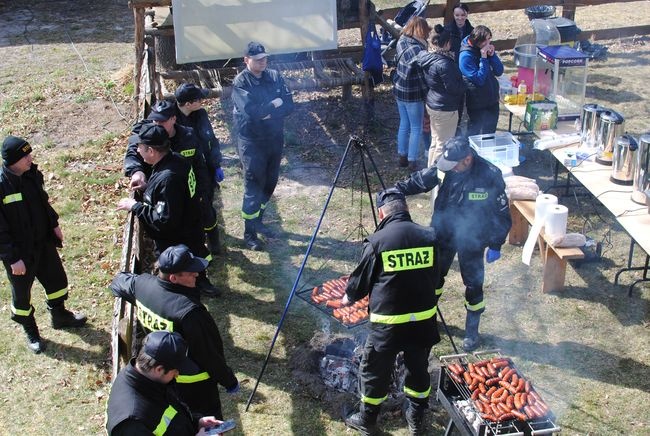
{"x": 444, "y": 324}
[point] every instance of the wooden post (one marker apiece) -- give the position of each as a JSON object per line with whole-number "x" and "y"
{"x": 449, "y": 11}
{"x": 569, "y": 9}
{"x": 138, "y": 17}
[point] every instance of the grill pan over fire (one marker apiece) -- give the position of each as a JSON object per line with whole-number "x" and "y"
{"x": 485, "y": 394}
{"x": 327, "y": 297}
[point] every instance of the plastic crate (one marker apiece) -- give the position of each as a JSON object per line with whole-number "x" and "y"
{"x": 500, "y": 148}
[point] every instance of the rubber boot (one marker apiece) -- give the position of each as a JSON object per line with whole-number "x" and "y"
{"x": 34, "y": 341}
{"x": 63, "y": 318}
{"x": 214, "y": 241}
{"x": 250, "y": 236}
{"x": 262, "y": 229}
{"x": 472, "y": 340}
{"x": 364, "y": 421}
{"x": 206, "y": 287}
{"x": 415, "y": 418}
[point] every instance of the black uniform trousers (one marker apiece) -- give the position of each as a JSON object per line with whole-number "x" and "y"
{"x": 483, "y": 121}
{"x": 472, "y": 271}
{"x": 261, "y": 161}
{"x": 376, "y": 368}
{"x": 45, "y": 265}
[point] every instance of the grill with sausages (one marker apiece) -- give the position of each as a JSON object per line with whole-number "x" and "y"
{"x": 327, "y": 298}
{"x": 485, "y": 394}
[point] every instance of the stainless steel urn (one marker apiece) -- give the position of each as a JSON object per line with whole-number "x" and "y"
{"x": 589, "y": 124}
{"x": 624, "y": 160}
{"x": 611, "y": 126}
{"x": 641, "y": 170}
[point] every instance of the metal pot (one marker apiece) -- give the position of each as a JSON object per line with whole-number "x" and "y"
{"x": 526, "y": 55}
{"x": 611, "y": 126}
{"x": 624, "y": 160}
{"x": 642, "y": 170}
{"x": 589, "y": 124}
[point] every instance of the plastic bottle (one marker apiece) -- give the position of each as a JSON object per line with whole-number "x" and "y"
{"x": 522, "y": 90}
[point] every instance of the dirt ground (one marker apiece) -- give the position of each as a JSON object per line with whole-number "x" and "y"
{"x": 61, "y": 74}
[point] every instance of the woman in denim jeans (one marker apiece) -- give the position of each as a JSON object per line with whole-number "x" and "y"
{"x": 410, "y": 90}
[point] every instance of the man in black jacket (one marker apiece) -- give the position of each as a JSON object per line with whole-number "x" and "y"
{"x": 261, "y": 102}
{"x": 143, "y": 398}
{"x": 169, "y": 210}
{"x": 29, "y": 237}
{"x": 171, "y": 302}
{"x": 470, "y": 214}
{"x": 399, "y": 270}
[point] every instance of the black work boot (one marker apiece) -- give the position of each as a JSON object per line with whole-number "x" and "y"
{"x": 206, "y": 287}
{"x": 364, "y": 421}
{"x": 34, "y": 341}
{"x": 250, "y": 236}
{"x": 62, "y": 318}
{"x": 472, "y": 340}
{"x": 214, "y": 241}
{"x": 262, "y": 229}
{"x": 415, "y": 418}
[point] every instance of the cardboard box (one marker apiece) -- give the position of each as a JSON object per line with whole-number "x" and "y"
{"x": 540, "y": 115}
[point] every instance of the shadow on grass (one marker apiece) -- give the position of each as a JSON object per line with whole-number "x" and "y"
{"x": 88, "y": 334}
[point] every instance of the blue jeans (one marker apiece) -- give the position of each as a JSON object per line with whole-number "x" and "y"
{"x": 411, "y": 115}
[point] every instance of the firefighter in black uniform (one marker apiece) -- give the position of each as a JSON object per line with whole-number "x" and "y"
{"x": 184, "y": 142}
{"x": 399, "y": 270}
{"x": 169, "y": 211}
{"x": 29, "y": 237}
{"x": 190, "y": 113}
{"x": 143, "y": 398}
{"x": 470, "y": 214}
{"x": 261, "y": 102}
{"x": 171, "y": 302}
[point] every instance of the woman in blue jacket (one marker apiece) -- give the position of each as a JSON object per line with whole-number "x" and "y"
{"x": 481, "y": 66}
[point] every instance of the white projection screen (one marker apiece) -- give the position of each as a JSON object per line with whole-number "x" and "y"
{"x": 208, "y": 30}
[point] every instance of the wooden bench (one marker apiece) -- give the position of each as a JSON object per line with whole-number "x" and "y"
{"x": 554, "y": 259}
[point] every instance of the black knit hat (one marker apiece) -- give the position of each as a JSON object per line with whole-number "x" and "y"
{"x": 14, "y": 149}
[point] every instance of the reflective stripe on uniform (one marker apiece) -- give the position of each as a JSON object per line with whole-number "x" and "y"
{"x": 191, "y": 182}
{"x": 439, "y": 291}
{"x": 208, "y": 228}
{"x": 208, "y": 258}
{"x": 475, "y": 307}
{"x": 21, "y": 312}
{"x": 57, "y": 294}
{"x": 407, "y": 259}
{"x": 165, "y": 419}
{"x": 12, "y": 198}
{"x": 415, "y": 394}
{"x": 189, "y": 152}
{"x": 152, "y": 321}
{"x": 473, "y": 196}
{"x": 373, "y": 401}
{"x": 250, "y": 216}
{"x": 404, "y": 318}
{"x": 194, "y": 378}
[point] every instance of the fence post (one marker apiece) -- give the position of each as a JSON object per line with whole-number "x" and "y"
{"x": 449, "y": 11}
{"x": 569, "y": 9}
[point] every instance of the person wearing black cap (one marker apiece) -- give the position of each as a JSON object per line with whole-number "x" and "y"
{"x": 171, "y": 301}
{"x": 190, "y": 113}
{"x": 169, "y": 210}
{"x": 29, "y": 237}
{"x": 261, "y": 101}
{"x": 470, "y": 214}
{"x": 143, "y": 398}
{"x": 184, "y": 142}
{"x": 399, "y": 271}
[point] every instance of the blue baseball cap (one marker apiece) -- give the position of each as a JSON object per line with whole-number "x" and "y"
{"x": 179, "y": 258}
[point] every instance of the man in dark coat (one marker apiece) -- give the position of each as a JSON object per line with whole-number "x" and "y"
{"x": 470, "y": 214}
{"x": 29, "y": 237}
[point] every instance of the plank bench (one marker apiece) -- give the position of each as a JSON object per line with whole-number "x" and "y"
{"x": 554, "y": 259}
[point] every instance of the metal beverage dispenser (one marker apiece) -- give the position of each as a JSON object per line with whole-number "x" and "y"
{"x": 624, "y": 160}
{"x": 612, "y": 125}
{"x": 590, "y": 120}
{"x": 642, "y": 170}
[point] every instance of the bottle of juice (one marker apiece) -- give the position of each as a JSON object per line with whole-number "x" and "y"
{"x": 522, "y": 90}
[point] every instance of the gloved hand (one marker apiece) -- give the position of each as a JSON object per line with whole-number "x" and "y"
{"x": 492, "y": 255}
{"x": 277, "y": 102}
{"x": 218, "y": 175}
{"x": 234, "y": 389}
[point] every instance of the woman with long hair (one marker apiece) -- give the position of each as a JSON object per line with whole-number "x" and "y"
{"x": 410, "y": 90}
{"x": 459, "y": 28}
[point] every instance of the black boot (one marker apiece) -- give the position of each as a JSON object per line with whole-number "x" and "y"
{"x": 206, "y": 287}
{"x": 250, "y": 236}
{"x": 472, "y": 340}
{"x": 34, "y": 341}
{"x": 214, "y": 241}
{"x": 62, "y": 317}
{"x": 262, "y": 229}
{"x": 415, "y": 418}
{"x": 364, "y": 421}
